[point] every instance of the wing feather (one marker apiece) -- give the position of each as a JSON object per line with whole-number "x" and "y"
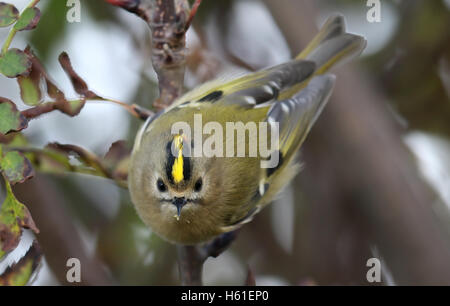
{"x": 254, "y": 89}
{"x": 297, "y": 114}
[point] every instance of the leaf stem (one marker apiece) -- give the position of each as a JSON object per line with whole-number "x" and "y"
{"x": 8, "y": 41}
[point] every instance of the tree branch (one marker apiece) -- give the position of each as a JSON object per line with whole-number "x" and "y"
{"x": 168, "y": 20}
{"x": 46, "y": 203}
{"x": 191, "y": 258}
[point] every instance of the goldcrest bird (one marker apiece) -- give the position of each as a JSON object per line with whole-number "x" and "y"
{"x": 190, "y": 199}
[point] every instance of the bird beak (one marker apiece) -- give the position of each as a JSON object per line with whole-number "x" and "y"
{"x": 179, "y": 203}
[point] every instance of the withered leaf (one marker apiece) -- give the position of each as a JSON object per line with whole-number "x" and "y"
{"x": 118, "y": 151}
{"x": 70, "y": 108}
{"x": 20, "y": 273}
{"x": 28, "y": 20}
{"x": 117, "y": 160}
{"x": 38, "y": 71}
{"x": 15, "y": 167}
{"x": 10, "y": 118}
{"x": 13, "y": 217}
{"x": 30, "y": 86}
{"x": 78, "y": 83}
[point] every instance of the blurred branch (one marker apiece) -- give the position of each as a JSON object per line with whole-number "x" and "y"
{"x": 381, "y": 183}
{"x": 46, "y": 204}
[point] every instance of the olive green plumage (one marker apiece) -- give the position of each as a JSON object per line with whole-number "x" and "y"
{"x": 209, "y": 196}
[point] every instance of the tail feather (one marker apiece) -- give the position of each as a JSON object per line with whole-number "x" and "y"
{"x": 332, "y": 45}
{"x": 334, "y": 26}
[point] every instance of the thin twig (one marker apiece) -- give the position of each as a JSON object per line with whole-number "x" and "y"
{"x": 134, "y": 109}
{"x": 192, "y": 14}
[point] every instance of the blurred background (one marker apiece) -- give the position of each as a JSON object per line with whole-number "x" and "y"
{"x": 376, "y": 177}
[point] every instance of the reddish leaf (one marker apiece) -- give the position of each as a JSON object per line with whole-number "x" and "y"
{"x": 38, "y": 72}
{"x": 117, "y": 160}
{"x": 117, "y": 152}
{"x": 71, "y": 108}
{"x": 78, "y": 83}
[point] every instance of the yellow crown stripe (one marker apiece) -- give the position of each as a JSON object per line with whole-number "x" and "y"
{"x": 177, "y": 168}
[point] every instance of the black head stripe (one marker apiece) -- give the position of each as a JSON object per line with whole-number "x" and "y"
{"x": 171, "y": 161}
{"x": 186, "y": 168}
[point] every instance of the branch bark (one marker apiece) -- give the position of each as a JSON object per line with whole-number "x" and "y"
{"x": 191, "y": 258}
{"x": 169, "y": 21}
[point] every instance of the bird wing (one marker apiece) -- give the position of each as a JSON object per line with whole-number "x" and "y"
{"x": 251, "y": 90}
{"x": 296, "y": 115}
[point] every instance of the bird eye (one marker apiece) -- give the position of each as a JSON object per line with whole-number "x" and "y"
{"x": 161, "y": 186}
{"x": 198, "y": 185}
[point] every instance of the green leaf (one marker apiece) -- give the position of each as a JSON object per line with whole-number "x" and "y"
{"x": 14, "y": 63}
{"x": 10, "y": 118}
{"x": 8, "y": 14}
{"x": 30, "y": 90}
{"x": 16, "y": 167}
{"x": 28, "y": 20}
{"x": 51, "y": 161}
{"x": 13, "y": 217}
{"x": 20, "y": 273}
